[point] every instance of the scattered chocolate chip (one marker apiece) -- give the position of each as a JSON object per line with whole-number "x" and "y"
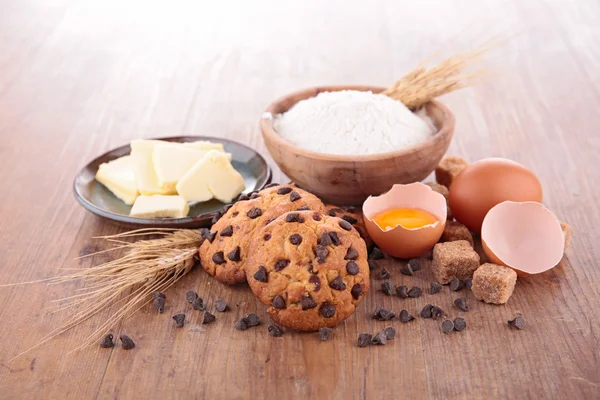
{"x": 426, "y": 311}
{"x": 243, "y": 197}
{"x": 467, "y": 284}
{"x": 284, "y": 190}
{"x": 218, "y": 257}
{"x": 216, "y": 217}
{"x": 235, "y": 254}
{"x": 295, "y": 239}
{"x": 198, "y": 304}
{"x": 384, "y": 273}
{"x": 349, "y": 219}
{"x": 387, "y": 287}
{"x": 383, "y": 314}
{"x": 107, "y": 341}
{"x": 456, "y": 285}
{"x": 307, "y": 303}
{"x": 373, "y": 264}
{"x": 461, "y": 303}
{"x": 321, "y": 252}
{"x": 159, "y": 295}
{"x": 356, "y": 291}
{"x": 126, "y": 342}
{"x": 295, "y": 196}
{"x": 315, "y": 280}
{"x": 407, "y": 270}
{"x": 324, "y": 333}
{"x": 254, "y": 212}
{"x": 402, "y": 291}
{"x": 460, "y": 324}
{"x": 190, "y": 296}
{"x": 376, "y": 254}
{"x": 227, "y": 231}
{"x": 220, "y": 305}
{"x": 270, "y": 185}
{"x": 434, "y": 288}
{"x": 405, "y": 316}
{"x": 303, "y": 208}
{"x": 415, "y": 265}
{"x": 252, "y": 319}
{"x": 281, "y": 264}
{"x": 447, "y": 326}
{"x": 518, "y": 322}
{"x": 292, "y": 217}
{"x": 179, "y": 320}
{"x": 278, "y": 302}
{"x": 350, "y": 209}
{"x": 275, "y": 330}
{"x": 208, "y": 318}
{"x": 415, "y": 291}
{"x": 261, "y": 275}
{"x": 254, "y": 195}
{"x": 380, "y": 338}
{"x": 345, "y": 225}
{"x": 436, "y": 312}
{"x": 390, "y": 333}
{"x": 316, "y": 216}
{"x": 351, "y": 254}
{"x": 334, "y": 238}
{"x": 332, "y": 212}
{"x": 267, "y": 237}
{"x": 159, "y": 304}
{"x": 210, "y": 236}
{"x": 241, "y": 325}
{"x": 352, "y": 268}
{"x": 364, "y": 339}
{"x": 327, "y": 310}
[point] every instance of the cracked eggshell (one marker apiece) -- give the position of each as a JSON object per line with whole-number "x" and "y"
{"x": 524, "y": 236}
{"x": 399, "y": 241}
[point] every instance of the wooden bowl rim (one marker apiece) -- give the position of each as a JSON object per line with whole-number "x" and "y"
{"x": 266, "y": 123}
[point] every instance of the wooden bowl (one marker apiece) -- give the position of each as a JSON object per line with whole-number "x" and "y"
{"x": 341, "y": 179}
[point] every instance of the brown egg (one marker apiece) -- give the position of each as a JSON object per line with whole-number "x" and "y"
{"x": 526, "y": 237}
{"x": 400, "y": 241}
{"x": 485, "y": 183}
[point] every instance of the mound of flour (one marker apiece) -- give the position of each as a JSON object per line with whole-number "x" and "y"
{"x": 351, "y": 122}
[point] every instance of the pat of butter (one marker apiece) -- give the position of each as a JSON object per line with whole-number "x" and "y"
{"x": 117, "y": 175}
{"x": 143, "y": 167}
{"x": 212, "y": 176}
{"x": 159, "y": 206}
{"x": 204, "y": 145}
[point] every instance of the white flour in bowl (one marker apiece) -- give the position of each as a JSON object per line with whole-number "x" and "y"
{"x": 352, "y": 122}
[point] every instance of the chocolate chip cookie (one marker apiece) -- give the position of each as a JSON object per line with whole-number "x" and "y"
{"x": 224, "y": 251}
{"x": 310, "y": 268}
{"x": 353, "y": 215}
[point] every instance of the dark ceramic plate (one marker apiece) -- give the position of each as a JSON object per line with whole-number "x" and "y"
{"x": 99, "y": 200}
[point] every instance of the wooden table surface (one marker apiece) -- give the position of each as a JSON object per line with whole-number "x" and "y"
{"x": 78, "y": 78}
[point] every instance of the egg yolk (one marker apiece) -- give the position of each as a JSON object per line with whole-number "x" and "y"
{"x": 409, "y": 218}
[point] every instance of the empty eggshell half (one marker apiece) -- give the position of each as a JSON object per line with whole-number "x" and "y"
{"x": 399, "y": 241}
{"x": 524, "y": 236}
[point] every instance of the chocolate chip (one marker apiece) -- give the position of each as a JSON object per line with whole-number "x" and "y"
{"x": 383, "y": 314}
{"x": 227, "y": 231}
{"x": 350, "y": 209}
{"x": 324, "y": 240}
{"x": 190, "y": 296}
{"x": 390, "y": 333}
{"x": 384, "y": 274}
{"x": 456, "y": 285}
{"x": 460, "y": 324}
{"x": 316, "y": 216}
{"x": 415, "y": 291}
{"x": 315, "y": 280}
{"x": 159, "y": 295}
{"x": 356, "y": 291}
{"x": 235, "y": 213}
{"x": 243, "y": 197}
{"x": 334, "y": 238}
{"x": 281, "y": 264}
{"x": 364, "y": 339}
{"x": 447, "y": 326}
{"x": 295, "y": 239}
{"x": 352, "y": 268}
{"x": 345, "y": 225}
{"x": 303, "y": 208}
{"x": 210, "y": 236}
{"x": 321, "y": 252}
{"x": 284, "y": 190}
{"x": 235, "y": 254}
{"x": 254, "y": 212}
{"x": 407, "y": 270}
{"x": 337, "y": 283}
{"x": 434, "y": 288}
{"x": 275, "y": 330}
{"x": 324, "y": 333}
{"x": 349, "y": 219}
{"x": 218, "y": 257}
{"x": 405, "y": 316}
{"x": 387, "y": 287}
{"x": 159, "y": 304}
{"x": 208, "y": 318}
{"x": 426, "y": 311}
{"x": 376, "y": 254}
{"x": 278, "y": 302}
{"x": 467, "y": 284}
{"x": 292, "y": 217}
{"x": 402, "y": 291}
{"x": 461, "y": 303}
{"x": 351, "y": 254}
{"x": 307, "y": 303}
{"x": 373, "y": 264}
{"x": 220, "y": 305}
{"x": 241, "y": 325}
{"x": 518, "y": 322}
{"x": 327, "y": 310}
{"x": 415, "y": 265}
{"x": 198, "y": 304}
{"x": 295, "y": 196}
{"x": 126, "y": 342}
{"x": 107, "y": 341}
{"x": 267, "y": 237}
{"x": 380, "y": 338}
{"x": 216, "y": 217}
{"x": 252, "y": 319}
{"x": 254, "y": 195}
{"x": 261, "y": 275}
{"x": 332, "y": 212}
{"x": 436, "y": 312}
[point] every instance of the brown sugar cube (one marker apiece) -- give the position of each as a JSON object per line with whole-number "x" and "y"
{"x": 566, "y": 228}
{"x": 448, "y": 169}
{"x": 493, "y": 283}
{"x": 454, "y": 260}
{"x": 441, "y": 189}
{"x": 456, "y": 231}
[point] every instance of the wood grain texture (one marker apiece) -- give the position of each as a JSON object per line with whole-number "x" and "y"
{"x": 78, "y": 78}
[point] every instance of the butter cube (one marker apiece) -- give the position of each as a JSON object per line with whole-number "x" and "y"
{"x": 204, "y": 145}
{"x": 117, "y": 175}
{"x": 159, "y": 206}
{"x": 212, "y": 176}
{"x": 172, "y": 162}
{"x": 143, "y": 167}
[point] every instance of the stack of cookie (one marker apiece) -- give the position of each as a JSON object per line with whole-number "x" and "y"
{"x": 298, "y": 256}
